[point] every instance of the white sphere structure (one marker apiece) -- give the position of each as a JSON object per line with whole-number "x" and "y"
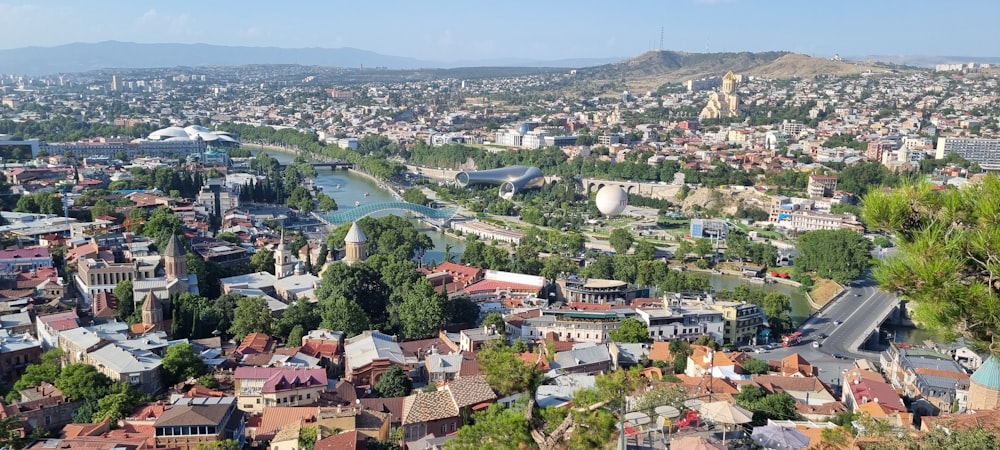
{"x": 611, "y": 200}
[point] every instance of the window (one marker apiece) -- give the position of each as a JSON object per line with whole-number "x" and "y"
{"x": 308, "y": 395}
{"x": 444, "y": 429}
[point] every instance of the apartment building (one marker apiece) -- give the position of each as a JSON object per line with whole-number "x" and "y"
{"x": 985, "y": 152}
{"x": 680, "y": 323}
{"x": 261, "y": 387}
{"x": 742, "y": 321}
{"x": 820, "y": 186}
{"x": 573, "y": 325}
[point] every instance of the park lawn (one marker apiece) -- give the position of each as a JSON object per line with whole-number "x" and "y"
{"x": 824, "y": 290}
{"x": 773, "y": 235}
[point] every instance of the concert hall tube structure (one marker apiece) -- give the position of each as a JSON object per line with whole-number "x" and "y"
{"x": 511, "y": 179}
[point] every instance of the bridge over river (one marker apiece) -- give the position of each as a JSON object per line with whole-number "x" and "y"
{"x": 356, "y": 213}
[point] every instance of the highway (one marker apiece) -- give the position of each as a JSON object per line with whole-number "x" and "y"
{"x": 857, "y": 311}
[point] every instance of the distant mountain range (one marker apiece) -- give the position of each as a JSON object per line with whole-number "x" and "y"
{"x": 668, "y": 65}
{"x": 81, "y": 57}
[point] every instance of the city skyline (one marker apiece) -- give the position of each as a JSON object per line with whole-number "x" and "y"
{"x": 458, "y": 31}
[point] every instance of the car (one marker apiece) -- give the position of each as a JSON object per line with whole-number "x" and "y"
{"x": 822, "y": 335}
{"x": 836, "y": 322}
{"x": 816, "y": 344}
{"x": 839, "y": 356}
{"x": 857, "y": 295}
{"x": 760, "y": 350}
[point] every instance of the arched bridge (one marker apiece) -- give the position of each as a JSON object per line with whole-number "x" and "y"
{"x": 333, "y": 165}
{"x": 356, "y": 213}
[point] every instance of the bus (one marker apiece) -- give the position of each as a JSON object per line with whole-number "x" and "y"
{"x": 789, "y": 340}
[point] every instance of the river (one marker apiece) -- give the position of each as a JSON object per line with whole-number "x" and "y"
{"x": 800, "y": 306}
{"x": 346, "y": 188}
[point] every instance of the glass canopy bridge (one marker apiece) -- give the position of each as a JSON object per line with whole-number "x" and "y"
{"x": 353, "y": 214}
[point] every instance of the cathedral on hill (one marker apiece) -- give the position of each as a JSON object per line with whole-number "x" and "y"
{"x": 724, "y": 103}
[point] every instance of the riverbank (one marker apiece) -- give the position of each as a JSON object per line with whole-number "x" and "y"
{"x": 273, "y": 148}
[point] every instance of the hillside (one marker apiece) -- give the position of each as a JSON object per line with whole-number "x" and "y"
{"x": 652, "y": 69}
{"x": 794, "y": 65}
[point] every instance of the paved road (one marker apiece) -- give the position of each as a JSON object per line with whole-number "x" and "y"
{"x": 856, "y": 311}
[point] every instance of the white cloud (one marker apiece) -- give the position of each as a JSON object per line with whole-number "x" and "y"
{"x": 149, "y": 16}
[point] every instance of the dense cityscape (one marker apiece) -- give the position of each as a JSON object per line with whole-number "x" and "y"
{"x": 303, "y": 257}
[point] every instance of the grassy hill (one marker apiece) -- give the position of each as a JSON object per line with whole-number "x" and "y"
{"x": 652, "y": 69}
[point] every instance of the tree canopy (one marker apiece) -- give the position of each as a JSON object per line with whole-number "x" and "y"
{"x": 631, "y": 330}
{"x": 841, "y": 255}
{"x": 250, "y": 316}
{"x": 948, "y": 257}
{"x": 181, "y": 363}
{"x": 394, "y": 383}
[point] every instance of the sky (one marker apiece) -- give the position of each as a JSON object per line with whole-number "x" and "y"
{"x": 469, "y": 30}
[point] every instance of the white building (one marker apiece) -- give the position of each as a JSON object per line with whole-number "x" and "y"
{"x": 677, "y": 323}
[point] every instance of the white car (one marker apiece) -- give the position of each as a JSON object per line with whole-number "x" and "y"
{"x": 760, "y": 350}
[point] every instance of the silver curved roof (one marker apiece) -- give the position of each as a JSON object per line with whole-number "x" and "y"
{"x": 511, "y": 179}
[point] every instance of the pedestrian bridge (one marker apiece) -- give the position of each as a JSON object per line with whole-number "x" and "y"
{"x": 353, "y": 214}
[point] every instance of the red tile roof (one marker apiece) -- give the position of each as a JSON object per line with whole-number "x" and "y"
{"x": 877, "y": 391}
{"x": 276, "y": 417}
{"x": 347, "y": 440}
{"x": 462, "y": 273}
{"x": 255, "y": 343}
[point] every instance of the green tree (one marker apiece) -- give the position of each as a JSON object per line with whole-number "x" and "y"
{"x": 120, "y": 400}
{"x": 101, "y": 208}
{"x": 841, "y": 255}
{"x": 126, "y": 305}
{"x": 229, "y": 237}
{"x": 208, "y": 380}
{"x": 704, "y": 247}
{"x": 519, "y": 346}
{"x": 415, "y": 195}
{"x": 630, "y": 330}
{"x": 295, "y": 336}
{"x": 250, "y": 316}
{"x": 775, "y": 406}
{"x": 423, "y": 310}
{"x": 680, "y": 349}
{"x": 394, "y": 383}
{"x": 621, "y": 240}
{"x": 671, "y": 394}
{"x": 505, "y": 372}
{"x": 464, "y": 310}
{"x": 343, "y": 314}
{"x": 948, "y": 254}
{"x": 326, "y": 203}
{"x": 181, "y": 363}
{"x": 307, "y": 437}
{"x": 303, "y": 314}
{"x": 82, "y": 381}
{"x": 496, "y": 427}
{"x": 45, "y": 371}
{"x": 684, "y": 249}
{"x": 755, "y": 366}
{"x": 494, "y": 320}
{"x": 777, "y": 306}
{"x": 262, "y": 261}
